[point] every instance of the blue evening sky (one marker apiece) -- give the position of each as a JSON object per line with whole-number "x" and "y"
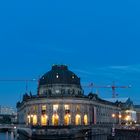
{"x": 98, "y": 39}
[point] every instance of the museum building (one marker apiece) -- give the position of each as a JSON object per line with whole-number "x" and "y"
{"x": 60, "y": 101}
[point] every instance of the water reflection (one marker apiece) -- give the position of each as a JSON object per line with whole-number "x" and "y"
{"x": 7, "y": 136}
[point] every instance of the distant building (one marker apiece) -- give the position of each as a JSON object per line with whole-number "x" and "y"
{"x": 128, "y": 113}
{"x": 7, "y": 115}
{"x": 4, "y": 110}
{"x": 137, "y": 109}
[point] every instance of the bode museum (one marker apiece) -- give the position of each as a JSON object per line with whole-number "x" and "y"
{"x": 60, "y": 101}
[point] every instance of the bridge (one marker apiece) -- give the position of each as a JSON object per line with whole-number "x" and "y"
{"x": 96, "y": 132}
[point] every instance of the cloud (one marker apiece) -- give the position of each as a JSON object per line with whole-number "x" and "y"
{"x": 119, "y": 67}
{"x": 128, "y": 68}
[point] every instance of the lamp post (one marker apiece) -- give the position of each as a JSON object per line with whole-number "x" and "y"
{"x": 113, "y": 127}
{"x": 120, "y": 117}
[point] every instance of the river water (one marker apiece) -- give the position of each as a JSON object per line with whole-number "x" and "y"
{"x": 7, "y": 136}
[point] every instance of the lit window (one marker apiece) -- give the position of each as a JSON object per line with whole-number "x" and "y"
{"x": 34, "y": 119}
{"x": 73, "y": 77}
{"x": 67, "y": 107}
{"x": 28, "y": 119}
{"x": 85, "y": 120}
{"x": 67, "y": 119}
{"x": 78, "y": 119}
{"x": 44, "y": 107}
{"x": 55, "y": 108}
{"x": 44, "y": 120}
{"x": 55, "y": 119}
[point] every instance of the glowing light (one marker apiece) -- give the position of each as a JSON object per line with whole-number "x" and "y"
{"x": 78, "y": 119}
{"x": 113, "y": 115}
{"x": 57, "y": 76}
{"x": 127, "y": 118}
{"x": 44, "y": 107}
{"x": 67, "y": 119}
{"x": 34, "y": 119}
{"x": 55, "y": 107}
{"x": 85, "y": 119}
{"x": 120, "y": 116}
{"x": 55, "y": 119}
{"x": 44, "y": 119}
{"x": 67, "y": 107}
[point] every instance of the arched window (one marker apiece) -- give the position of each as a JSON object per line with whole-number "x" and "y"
{"x": 85, "y": 120}
{"x": 78, "y": 119}
{"x": 67, "y": 119}
{"x": 34, "y": 119}
{"x": 55, "y": 119}
{"x": 44, "y": 120}
{"x": 28, "y": 119}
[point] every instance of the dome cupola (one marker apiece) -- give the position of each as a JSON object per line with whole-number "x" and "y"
{"x": 60, "y": 80}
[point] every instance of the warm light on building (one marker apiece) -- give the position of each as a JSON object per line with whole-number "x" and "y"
{"x": 67, "y": 107}
{"x": 67, "y": 119}
{"x": 55, "y": 107}
{"x": 55, "y": 119}
{"x": 85, "y": 120}
{"x": 78, "y": 119}
{"x": 34, "y": 119}
{"x": 44, "y": 120}
{"x": 113, "y": 115}
{"x": 120, "y": 116}
{"x": 128, "y": 118}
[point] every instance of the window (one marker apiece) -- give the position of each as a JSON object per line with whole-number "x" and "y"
{"x": 44, "y": 120}
{"x": 35, "y": 108}
{"x": 34, "y": 119}
{"x": 67, "y": 119}
{"x": 28, "y": 119}
{"x": 67, "y": 107}
{"x": 85, "y": 119}
{"x": 44, "y": 107}
{"x": 78, "y": 119}
{"x": 55, "y": 108}
{"x": 43, "y": 110}
{"x": 78, "y": 108}
{"x": 55, "y": 119}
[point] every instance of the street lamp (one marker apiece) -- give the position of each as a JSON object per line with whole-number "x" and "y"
{"x": 120, "y": 116}
{"x": 113, "y": 128}
{"x": 113, "y": 115}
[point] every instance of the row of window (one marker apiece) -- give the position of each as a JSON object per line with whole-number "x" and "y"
{"x": 34, "y": 120}
{"x": 62, "y": 91}
{"x": 55, "y": 108}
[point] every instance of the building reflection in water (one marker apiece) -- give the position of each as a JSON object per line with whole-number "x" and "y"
{"x": 9, "y": 136}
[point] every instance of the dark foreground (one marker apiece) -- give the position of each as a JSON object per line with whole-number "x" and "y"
{"x": 119, "y": 135}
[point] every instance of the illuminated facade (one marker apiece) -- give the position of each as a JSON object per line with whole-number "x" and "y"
{"x": 61, "y": 101}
